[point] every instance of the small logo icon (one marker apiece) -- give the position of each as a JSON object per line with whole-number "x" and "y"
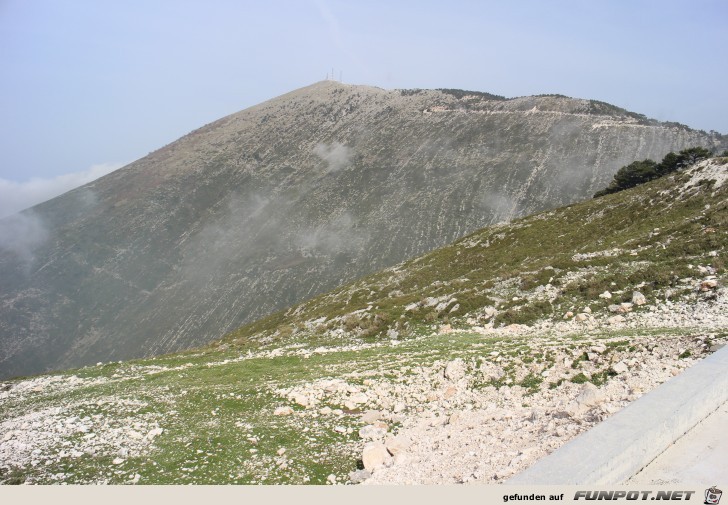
{"x": 712, "y": 496}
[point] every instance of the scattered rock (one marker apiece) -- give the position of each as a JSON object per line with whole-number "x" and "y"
{"x": 486, "y": 426}
{"x": 371, "y": 416}
{"x": 599, "y": 349}
{"x": 359, "y": 476}
{"x": 331, "y": 386}
{"x": 117, "y": 461}
{"x": 372, "y": 432}
{"x": 568, "y": 315}
{"x": 301, "y": 400}
{"x": 283, "y": 411}
{"x": 454, "y": 417}
{"x": 606, "y": 295}
{"x": 359, "y": 398}
{"x": 622, "y": 308}
{"x": 638, "y": 298}
{"x": 616, "y": 319}
{"x": 491, "y": 371}
{"x": 455, "y": 370}
{"x": 375, "y": 455}
{"x": 397, "y": 445}
{"x": 590, "y": 395}
{"x": 154, "y": 433}
{"x": 708, "y": 285}
{"x": 620, "y": 367}
{"x": 515, "y": 328}
{"x": 581, "y": 317}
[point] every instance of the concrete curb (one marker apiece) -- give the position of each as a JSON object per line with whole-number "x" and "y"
{"x": 618, "y": 448}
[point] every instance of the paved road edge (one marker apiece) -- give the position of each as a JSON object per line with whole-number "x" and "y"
{"x": 619, "y": 447}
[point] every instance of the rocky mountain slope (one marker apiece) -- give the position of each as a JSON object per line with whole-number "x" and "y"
{"x": 282, "y": 201}
{"x": 460, "y": 366}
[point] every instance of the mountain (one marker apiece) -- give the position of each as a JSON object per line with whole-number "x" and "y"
{"x": 285, "y": 200}
{"x": 467, "y": 363}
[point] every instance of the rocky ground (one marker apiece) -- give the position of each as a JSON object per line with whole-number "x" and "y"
{"x": 473, "y": 405}
{"x": 463, "y": 432}
{"x": 491, "y": 435}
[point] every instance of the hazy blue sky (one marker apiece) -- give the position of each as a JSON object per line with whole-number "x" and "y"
{"x": 89, "y": 84}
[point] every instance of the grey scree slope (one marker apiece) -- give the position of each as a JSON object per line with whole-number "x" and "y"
{"x": 622, "y": 445}
{"x": 272, "y": 205}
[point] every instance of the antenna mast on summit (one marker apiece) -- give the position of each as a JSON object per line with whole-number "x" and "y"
{"x": 332, "y": 75}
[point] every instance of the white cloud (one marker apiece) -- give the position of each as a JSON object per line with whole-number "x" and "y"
{"x": 21, "y": 234}
{"x": 16, "y": 196}
{"x": 336, "y": 155}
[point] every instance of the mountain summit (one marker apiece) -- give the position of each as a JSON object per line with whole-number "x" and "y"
{"x": 287, "y": 199}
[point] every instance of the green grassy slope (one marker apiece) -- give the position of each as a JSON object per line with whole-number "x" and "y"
{"x": 645, "y": 239}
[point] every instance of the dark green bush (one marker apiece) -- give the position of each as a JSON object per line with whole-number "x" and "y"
{"x": 524, "y": 314}
{"x": 460, "y": 93}
{"x": 639, "y": 172}
{"x": 579, "y": 378}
